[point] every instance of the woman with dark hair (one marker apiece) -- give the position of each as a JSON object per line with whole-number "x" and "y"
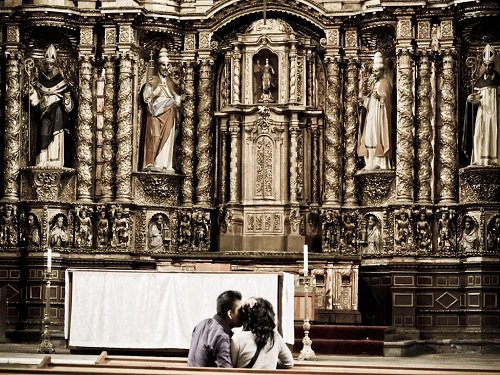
{"x": 259, "y": 345}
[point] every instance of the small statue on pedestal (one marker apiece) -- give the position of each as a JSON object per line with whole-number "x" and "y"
{"x": 469, "y": 241}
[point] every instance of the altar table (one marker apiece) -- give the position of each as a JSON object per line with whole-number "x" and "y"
{"x": 131, "y": 309}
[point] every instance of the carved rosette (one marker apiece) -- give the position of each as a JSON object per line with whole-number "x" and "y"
{"x": 404, "y": 150}
{"x": 234, "y": 130}
{"x": 205, "y": 136}
{"x": 448, "y": 129}
{"x": 424, "y": 133}
{"x": 480, "y": 184}
{"x": 124, "y": 132}
{"x": 12, "y": 128}
{"x": 84, "y": 134}
{"x": 376, "y": 187}
{"x": 108, "y": 132}
{"x": 236, "y": 74}
{"x": 188, "y": 135}
{"x": 333, "y": 145}
{"x": 351, "y": 121}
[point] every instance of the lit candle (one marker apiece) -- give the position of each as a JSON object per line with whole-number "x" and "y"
{"x": 306, "y": 261}
{"x": 49, "y": 259}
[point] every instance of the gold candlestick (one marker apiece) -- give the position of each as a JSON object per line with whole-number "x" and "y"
{"x": 46, "y": 346}
{"x": 307, "y": 353}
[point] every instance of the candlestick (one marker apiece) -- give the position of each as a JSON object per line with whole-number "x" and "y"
{"x": 306, "y": 260}
{"x": 49, "y": 260}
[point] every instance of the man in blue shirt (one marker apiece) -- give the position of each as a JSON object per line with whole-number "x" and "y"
{"x": 211, "y": 339}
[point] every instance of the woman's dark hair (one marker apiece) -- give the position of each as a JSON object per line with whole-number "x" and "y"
{"x": 257, "y": 316}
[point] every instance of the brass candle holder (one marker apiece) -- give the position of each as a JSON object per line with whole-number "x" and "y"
{"x": 307, "y": 353}
{"x": 46, "y": 346}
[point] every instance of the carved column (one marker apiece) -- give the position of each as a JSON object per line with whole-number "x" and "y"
{"x": 188, "y": 135}
{"x": 204, "y": 169}
{"x": 124, "y": 131}
{"x": 333, "y": 144}
{"x": 108, "y": 132}
{"x": 404, "y": 128}
{"x": 424, "y": 131}
{"x": 223, "y": 131}
{"x": 236, "y": 75}
{"x": 293, "y": 73}
{"x": 226, "y": 81}
{"x": 84, "y": 133}
{"x": 351, "y": 127}
{"x": 448, "y": 130}
{"x": 12, "y": 122}
{"x": 294, "y": 133}
{"x": 234, "y": 130}
{"x": 311, "y": 64}
{"x": 315, "y": 164}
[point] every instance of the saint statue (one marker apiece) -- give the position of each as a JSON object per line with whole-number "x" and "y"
{"x": 267, "y": 81}
{"x": 482, "y": 118}
{"x": 374, "y": 142}
{"x": 162, "y": 103}
{"x": 51, "y": 97}
{"x": 469, "y": 241}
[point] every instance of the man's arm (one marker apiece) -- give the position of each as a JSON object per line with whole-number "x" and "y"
{"x": 223, "y": 352}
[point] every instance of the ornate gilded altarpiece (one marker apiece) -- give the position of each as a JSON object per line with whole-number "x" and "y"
{"x": 265, "y": 154}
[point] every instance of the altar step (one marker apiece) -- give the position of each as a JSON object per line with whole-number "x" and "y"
{"x": 342, "y": 339}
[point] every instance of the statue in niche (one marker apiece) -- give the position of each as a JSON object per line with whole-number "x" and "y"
{"x": 53, "y": 105}
{"x": 185, "y": 230}
{"x": 120, "y": 227}
{"x": 373, "y": 238}
{"x": 158, "y": 233}
{"x": 481, "y": 141}
{"x": 8, "y": 225}
{"x": 445, "y": 231}
{"x": 469, "y": 241}
{"x": 375, "y": 131}
{"x": 83, "y": 226}
{"x": 330, "y": 229}
{"x": 58, "y": 236}
{"x": 493, "y": 237}
{"x": 423, "y": 234}
{"x": 403, "y": 228}
{"x": 349, "y": 239}
{"x": 103, "y": 229}
{"x": 33, "y": 231}
{"x": 265, "y": 77}
{"x": 163, "y": 104}
{"x": 200, "y": 225}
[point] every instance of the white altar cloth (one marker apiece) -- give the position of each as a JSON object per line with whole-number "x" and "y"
{"x": 156, "y": 310}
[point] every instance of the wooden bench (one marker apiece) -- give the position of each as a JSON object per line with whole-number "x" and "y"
{"x": 106, "y": 364}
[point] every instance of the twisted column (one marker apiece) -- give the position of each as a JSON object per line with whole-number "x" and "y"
{"x": 333, "y": 144}
{"x": 188, "y": 135}
{"x": 404, "y": 149}
{"x": 236, "y": 75}
{"x": 124, "y": 132}
{"x": 294, "y": 132}
{"x": 205, "y": 136}
{"x": 293, "y": 73}
{"x": 12, "y": 127}
{"x": 351, "y": 128}
{"x": 108, "y": 132}
{"x": 84, "y": 133}
{"x": 448, "y": 130}
{"x": 315, "y": 164}
{"x": 223, "y": 134}
{"x": 424, "y": 131}
{"x": 234, "y": 130}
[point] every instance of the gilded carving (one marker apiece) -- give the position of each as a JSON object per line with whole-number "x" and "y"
{"x": 159, "y": 234}
{"x": 371, "y": 236}
{"x": 423, "y": 231}
{"x": 493, "y": 235}
{"x": 188, "y": 134}
{"x": 120, "y": 226}
{"x": 375, "y": 186}
{"x": 446, "y": 239}
{"x": 108, "y": 132}
{"x": 185, "y": 230}
{"x": 404, "y": 150}
{"x": 83, "y": 226}
{"x": 12, "y": 34}
{"x": 161, "y": 188}
{"x": 204, "y": 41}
{"x": 479, "y": 184}
{"x": 330, "y": 225}
{"x": 293, "y": 74}
{"x": 448, "y": 130}
{"x": 468, "y": 243}
{"x": 124, "y": 130}
{"x": 58, "y": 231}
{"x": 110, "y": 36}
{"x": 236, "y": 74}
{"x": 204, "y": 149}
{"x": 424, "y": 29}
{"x": 189, "y": 42}
{"x": 201, "y": 230}
{"x": 294, "y": 220}
{"x": 47, "y": 182}
{"x": 30, "y": 230}
{"x": 351, "y": 38}
{"x": 349, "y": 236}
{"x": 126, "y": 34}
{"x": 293, "y": 162}
{"x": 333, "y": 37}
{"x": 404, "y": 29}
{"x": 85, "y": 133}
{"x": 264, "y": 167}
{"x": 351, "y": 127}
{"x": 8, "y": 225}
{"x": 12, "y": 125}
{"x": 424, "y": 133}
{"x": 403, "y": 238}
{"x": 86, "y": 36}
{"x": 233, "y": 162}
{"x": 447, "y": 29}
{"x": 333, "y": 145}
{"x": 103, "y": 227}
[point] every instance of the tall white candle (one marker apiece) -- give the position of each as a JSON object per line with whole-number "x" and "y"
{"x": 49, "y": 259}
{"x": 306, "y": 260}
